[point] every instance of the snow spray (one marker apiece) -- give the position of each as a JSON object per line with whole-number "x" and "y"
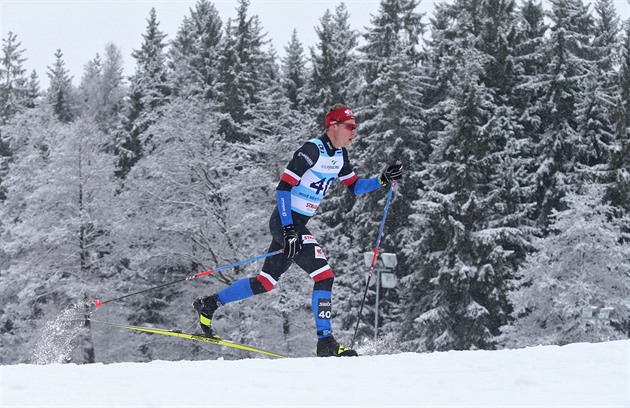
{"x": 56, "y": 342}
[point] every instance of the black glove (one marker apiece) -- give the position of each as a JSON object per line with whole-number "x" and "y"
{"x": 292, "y": 241}
{"x": 393, "y": 172}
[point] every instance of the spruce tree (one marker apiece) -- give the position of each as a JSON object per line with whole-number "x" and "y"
{"x": 294, "y": 72}
{"x": 497, "y": 41}
{"x": 194, "y": 53}
{"x": 600, "y": 88}
{"x": 184, "y": 211}
{"x": 334, "y": 72}
{"x": 14, "y": 94}
{"x": 559, "y": 136}
{"x": 272, "y": 115}
{"x": 471, "y": 225}
{"x": 241, "y": 81}
{"x": 618, "y": 192}
{"x": 149, "y": 92}
{"x": 465, "y": 242}
{"x": 530, "y": 66}
{"x": 13, "y": 81}
{"x": 527, "y": 99}
{"x": 33, "y": 91}
{"x": 113, "y": 88}
{"x": 61, "y": 94}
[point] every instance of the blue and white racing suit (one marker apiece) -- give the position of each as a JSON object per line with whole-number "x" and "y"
{"x": 304, "y": 183}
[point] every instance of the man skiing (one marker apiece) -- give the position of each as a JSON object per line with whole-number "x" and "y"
{"x": 303, "y": 185}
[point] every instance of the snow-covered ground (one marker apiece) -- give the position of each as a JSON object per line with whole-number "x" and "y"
{"x": 576, "y": 375}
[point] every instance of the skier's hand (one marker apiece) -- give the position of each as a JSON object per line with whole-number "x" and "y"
{"x": 393, "y": 172}
{"x": 292, "y": 241}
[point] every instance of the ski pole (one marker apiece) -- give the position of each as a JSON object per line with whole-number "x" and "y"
{"x": 374, "y": 256}
{"x": 99, "y": 303}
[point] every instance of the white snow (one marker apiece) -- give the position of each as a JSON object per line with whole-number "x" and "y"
{"x": 575, "y": 375}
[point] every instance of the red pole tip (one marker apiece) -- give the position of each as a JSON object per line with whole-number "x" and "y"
{"x": 98, "y": 303}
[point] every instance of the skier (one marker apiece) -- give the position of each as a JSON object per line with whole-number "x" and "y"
{"x": 303, "y": 185}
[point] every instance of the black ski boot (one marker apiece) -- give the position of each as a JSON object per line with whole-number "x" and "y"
{"x": 328, "y": 347}
{"x": 205, "y": 307}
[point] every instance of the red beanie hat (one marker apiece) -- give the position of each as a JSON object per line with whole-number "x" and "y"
{"x": 338, "y": 116}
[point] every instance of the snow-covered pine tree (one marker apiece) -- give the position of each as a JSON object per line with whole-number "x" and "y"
{"x": 471, "y": 224}
{"x": 605, "y": 43}
{"x": 33, "y": 90}
{"x": 599, "y": 91}
{"x": 334, "y": 76}
{"x": 530, "y": 65}
{"x": 618, "y": 192}
{"x": 559, "y": 137}
{"x": 14, "y": 95}
{"x": 580, "y": 263}
{"x": 194, "y": 53}
{"x": 61, "y": 94}
{"x": 241, "y": 80}
{"x": 528, "y": 93}
{"x": 496, "y": 40}
{"x": 464, "y": 255}
{"x": 278, "y": 129}
{"x": 294, "y": 72}
{"x": 437, "y": 63}
{"x": 149, "y": 92}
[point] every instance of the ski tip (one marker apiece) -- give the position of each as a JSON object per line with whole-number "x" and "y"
{"x": 98, "y": 303}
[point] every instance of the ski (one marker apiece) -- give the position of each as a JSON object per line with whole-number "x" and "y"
{"x": 191, "y": 336}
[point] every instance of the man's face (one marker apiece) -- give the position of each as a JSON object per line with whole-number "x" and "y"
{"x": 341, "y": 134}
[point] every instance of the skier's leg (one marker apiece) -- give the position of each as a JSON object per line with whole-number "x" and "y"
{"x": 266, "y": 280}
{"x": 312, "y": 259}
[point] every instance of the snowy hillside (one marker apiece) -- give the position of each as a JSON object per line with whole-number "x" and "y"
{"x": 576, "y": 375}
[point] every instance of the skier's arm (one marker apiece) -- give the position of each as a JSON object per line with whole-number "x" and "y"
{"x": 303, "y": 159}
{"x": 362, "y": 186}
{"x": 355, "y": 184}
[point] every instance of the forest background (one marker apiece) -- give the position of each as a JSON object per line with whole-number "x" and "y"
{"x": 512, "y": 121}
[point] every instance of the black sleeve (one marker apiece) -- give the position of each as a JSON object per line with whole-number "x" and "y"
{"x": 303, "y": 159}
